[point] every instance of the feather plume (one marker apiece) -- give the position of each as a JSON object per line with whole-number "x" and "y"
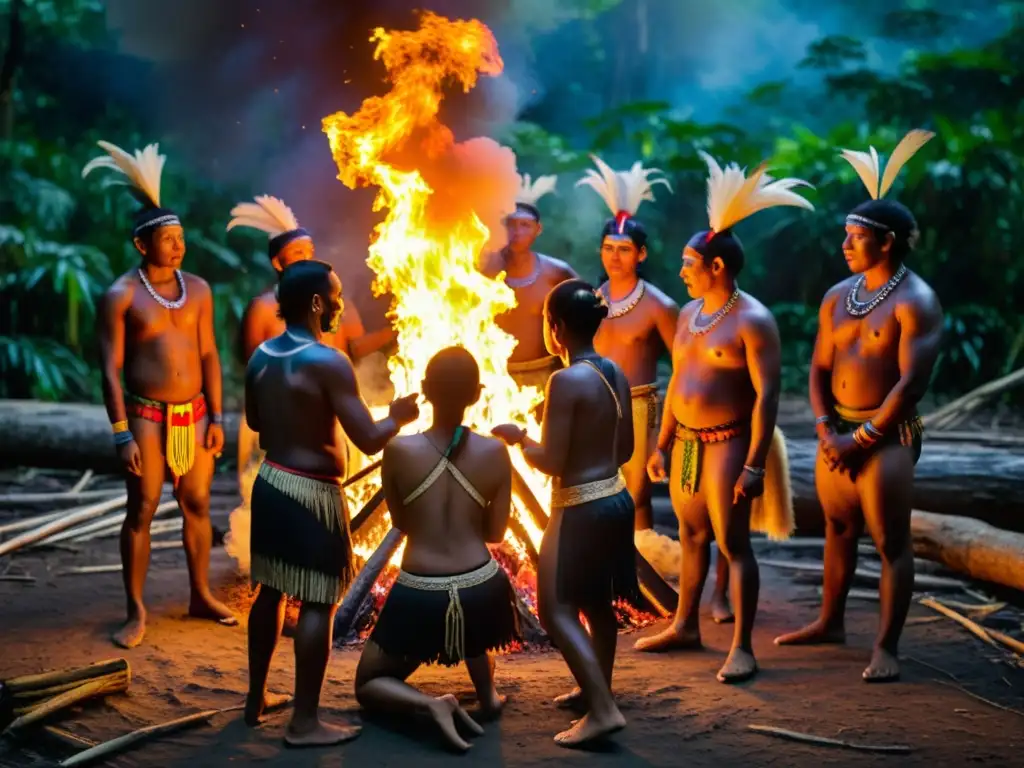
{"x": 141, "y": 170}
{"x": 267, "y": 214}
{"x": 868, "y": 167}
{"x": 532, "y": 191}
{"x": 733, "y": 197}
{"x": 622, "y": 190}
{"x": 906, "y": 149}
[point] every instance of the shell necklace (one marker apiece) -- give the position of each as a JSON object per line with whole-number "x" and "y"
{"x": 716, "y": 318}
{"x": 530, "y": 279}
{"x": 178, "y": 303}
{"x": 627, "y": 303}
{"x": 859, "y": 308}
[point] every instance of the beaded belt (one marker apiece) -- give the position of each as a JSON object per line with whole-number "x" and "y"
{"x": 183, "y": 415}
{"x": 648, "y": 392}
{"x": 454, "y": 617}
{"x": 575, "y": 495}
{"x": 692, "y": 442}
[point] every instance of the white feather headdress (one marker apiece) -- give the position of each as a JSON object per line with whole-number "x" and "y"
{"x": 622, "y": 191}
{"x": 267, "y": 214}
{"x": 531, "y": 191}
{"x": 142, "y": 171}
{"x": 733, "y": 197}
{"x": 867, "y": 166}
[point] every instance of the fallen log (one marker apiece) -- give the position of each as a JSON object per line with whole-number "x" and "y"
{"x": 970, "y": 547}
{"x": 953, "y": 478}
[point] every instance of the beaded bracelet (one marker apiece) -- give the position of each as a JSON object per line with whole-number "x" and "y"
{"x": 822, "y": 420}
{"x": 863, "y": 438}
{"x": 123, "y": 437}
{"x": 119, "y": 426}
{"x": 755, "y": 471}
{"x": 216, "y": 418}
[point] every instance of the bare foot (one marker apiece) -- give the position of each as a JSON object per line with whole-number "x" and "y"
{"x": 447, "y": 713}
{"x": 255, "y": 707}
{"x": 816, "y": 633}
{"x": 590, "y": 728}
{"x": 317, "y": 734}
{"x": 738, "y": 667}
{"x": 571, "y": 700}
{"x": 669, "y": 639}
{"x": 884, "y": 667}
{"x": 721, "y": 611}
{"x": 492, "y": 706}
{"x": 131, "y": 632}
{"x": 210, "y": 608}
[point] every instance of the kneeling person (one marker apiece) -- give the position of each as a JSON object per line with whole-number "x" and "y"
{"x": 449, "y": 490}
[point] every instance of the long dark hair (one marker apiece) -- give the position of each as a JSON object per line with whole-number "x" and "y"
{"x": 577, "y": 305}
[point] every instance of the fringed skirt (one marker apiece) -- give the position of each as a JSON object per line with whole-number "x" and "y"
{"x": 447, "y": 619}
{"x": 300, "y": 542}
{"x": 596, "y": 548}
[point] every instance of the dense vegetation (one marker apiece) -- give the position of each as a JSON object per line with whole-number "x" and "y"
{"x": 62, "y": 239}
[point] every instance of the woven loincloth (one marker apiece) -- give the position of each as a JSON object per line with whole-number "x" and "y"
{"x": 908, "y": 433}
{"x": 534, "y": 373}
{"x": 300, "y": 543}
{"x": 645, "y": 428}
{"x": 179, "y": 420}
{"x": 448, "y": 619}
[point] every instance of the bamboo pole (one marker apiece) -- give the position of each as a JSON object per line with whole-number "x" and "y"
{"x": 67, "y": 675}
{"x": 33, "y": 700}
{"x": 112, "y": 527}
{"x": 31, "y": 522}
{"x": 61, "y": 524}
{"x": 49, "y": 498}
{"x": 117, "y": 683}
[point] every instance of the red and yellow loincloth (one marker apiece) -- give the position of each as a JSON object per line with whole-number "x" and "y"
{"x": 180, "y": 420}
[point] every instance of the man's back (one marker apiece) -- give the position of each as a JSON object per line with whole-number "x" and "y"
{"x": 446, "y": 524}
{"x": 296, "y": 421}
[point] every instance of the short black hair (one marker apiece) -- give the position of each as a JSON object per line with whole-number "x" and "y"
{"x": 630, "y": 227}
{"x": 299, "y": 283}
{"x": 452, "y": 378}
{"x": 892, "y": 217}
{"x": 722, "y": 245}
{"x": 576, "y": 304}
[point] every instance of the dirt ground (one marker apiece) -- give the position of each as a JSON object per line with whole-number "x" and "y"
{"x": 677, "y": 713}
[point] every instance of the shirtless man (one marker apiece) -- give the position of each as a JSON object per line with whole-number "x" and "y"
{"x": 156, "y": 328}
{"x": 721, "y": 408}
{"x": 449, "y": 490}
{"x": 878, "y": 338}
{"x": 531, "y": 276}
{"x": 296, "y": 390}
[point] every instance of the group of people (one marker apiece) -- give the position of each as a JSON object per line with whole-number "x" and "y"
{"x": 594, "y": 352}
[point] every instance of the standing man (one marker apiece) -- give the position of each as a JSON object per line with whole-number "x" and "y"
{"x": 878, "y": 338}
{"x": 720, "y": 416}
{"x": 641, "y": 320}
{"x": 288, "y": 243}
{"x": 531, "y": 276}
{"x": 297, "y": 389}
{"x": 156, "y": 327}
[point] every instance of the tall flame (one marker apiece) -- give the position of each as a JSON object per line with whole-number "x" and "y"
{"x": 440, "y": 197}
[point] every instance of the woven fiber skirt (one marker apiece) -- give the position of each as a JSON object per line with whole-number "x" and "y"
{"x": 447, "y": 619}
{"x": 300, "y": 542}
{"x": 597, "y": 551}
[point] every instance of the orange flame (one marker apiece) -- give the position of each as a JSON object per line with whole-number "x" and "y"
{"x": 440, "y": 196}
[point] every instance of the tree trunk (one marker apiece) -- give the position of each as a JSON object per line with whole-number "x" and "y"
{"x": 975, "y": 480}
{"x": 970, "y": 547}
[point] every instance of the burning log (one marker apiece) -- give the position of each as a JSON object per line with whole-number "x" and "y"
{"x": 360, "y": 588}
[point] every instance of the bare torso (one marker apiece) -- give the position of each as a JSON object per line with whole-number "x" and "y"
{"x": 298, "y": 427}
{"x": 445, "y": 527}
{"x": 593, "y": 453}
{"x": 865, "y": 363}
{"x": 161, "y": 346}
{"x": 635, "y": 340}
{"x": 525, "y": 321}
{"x": 712, "y": 385}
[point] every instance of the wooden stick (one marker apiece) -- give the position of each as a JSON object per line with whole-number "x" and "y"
{"x": 82, "y": 482}
{"x": 86, "y": 569}
{"x": 19, "y": 577}
{"x": 31, "y": 522}
{"x": 361, "y": 474}
{"x": 68, "y": 738}
{"x": 806, "y": 738}
{"x": 48, "y": 498}
{"x": 971, "y": 626}
{"x": 920, "y": 580}
{"x": 953, "y": 412}
{"x": 1009, "y": 642}
{"x": 113, "y": 528}
{"x": 173, "y": 544}
{"x": 25, "y": 696}
{"x": 980, "y": 698}
{"x": 82, "y": 692}
{"x": 121, "y": 743}
{"x": 366, "y": 512}
{"x": 363, "y": 583}
{"x": 522, "y": 491}
{"x": 32, "y": 700}
{"x": 519, "y": 531}
{"x": 67, "y": 675}
{"x": 61, "y": 524}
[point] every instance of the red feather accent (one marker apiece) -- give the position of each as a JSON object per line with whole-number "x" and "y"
{"x": 620, "y": 220}
{"x": 711, "y": 233}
